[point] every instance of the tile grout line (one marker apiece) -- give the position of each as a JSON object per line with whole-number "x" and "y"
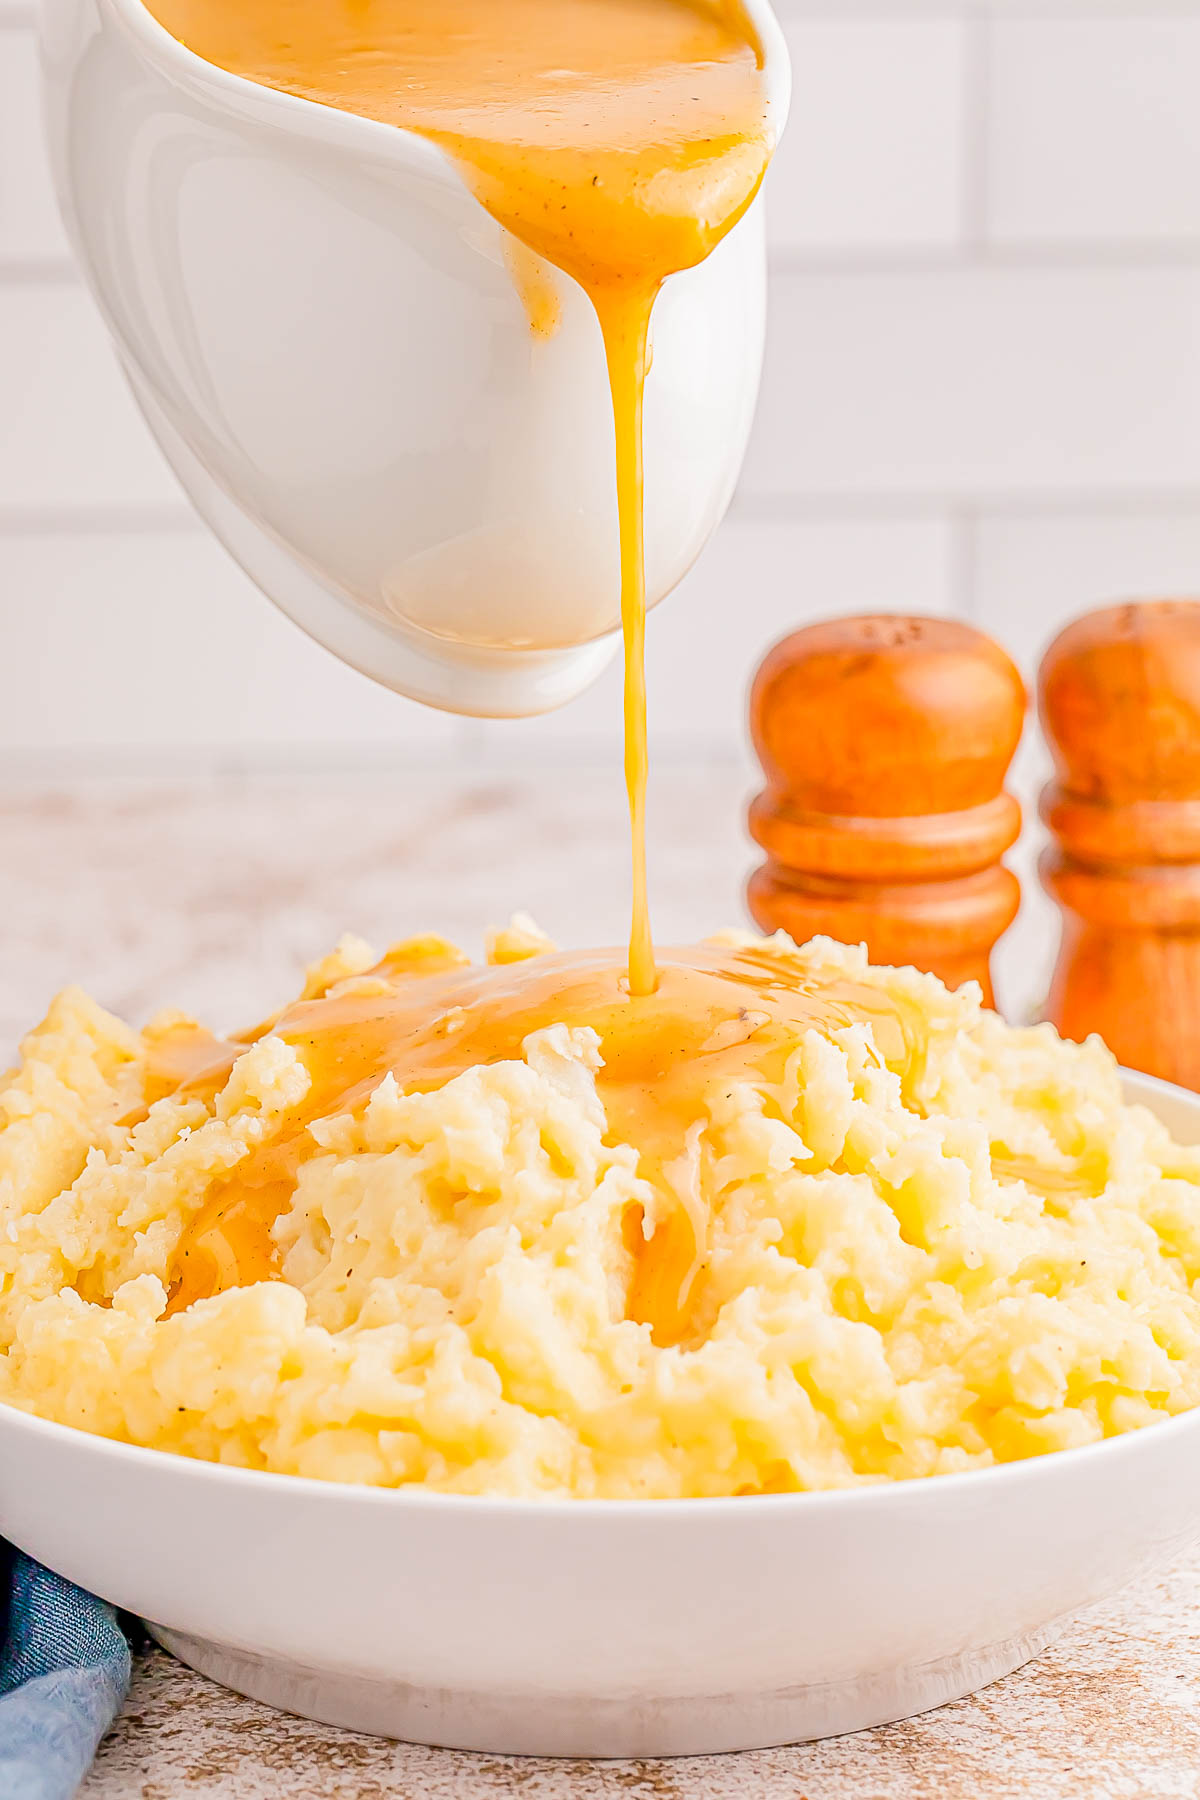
{"x": 977, "y": 74}
{"x": 983, "y": 255}
{"x": 749, "y": 509}
{"x": 964, "y": 565}
{"x": 976, "y": 253}
{"x": 222, "y": 764}
{"x": 785, "y": 508}
{"x": 38, "y": 271}
{"x": 115, "y": 520}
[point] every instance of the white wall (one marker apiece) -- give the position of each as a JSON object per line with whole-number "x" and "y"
{"x": 982, "y": 396}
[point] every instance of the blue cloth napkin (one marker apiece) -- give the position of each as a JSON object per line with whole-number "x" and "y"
{"x": 64, "y": 1671}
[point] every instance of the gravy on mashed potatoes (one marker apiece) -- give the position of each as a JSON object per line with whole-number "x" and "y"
{"x": 420, "y": 1230}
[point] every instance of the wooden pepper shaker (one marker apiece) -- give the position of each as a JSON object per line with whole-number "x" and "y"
{"x": 885, "y": 741}
{"x": 1120, "y": 706}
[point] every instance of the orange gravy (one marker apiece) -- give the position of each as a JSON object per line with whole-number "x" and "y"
{"x": 716, "y": 1015}
{"x": 618, "y": 139}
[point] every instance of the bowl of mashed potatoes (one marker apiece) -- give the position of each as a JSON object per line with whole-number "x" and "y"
{"x": 481, "y": 1357}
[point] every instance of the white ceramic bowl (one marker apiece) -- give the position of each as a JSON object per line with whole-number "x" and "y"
{"x": 605, "y": 1628}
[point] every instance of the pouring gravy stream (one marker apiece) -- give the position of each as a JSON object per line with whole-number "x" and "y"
{"x": 619, "y": 141}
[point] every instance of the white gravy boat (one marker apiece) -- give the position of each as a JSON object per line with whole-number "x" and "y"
{"x": 319, "y": 322}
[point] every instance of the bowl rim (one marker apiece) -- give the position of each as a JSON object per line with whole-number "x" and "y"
{"x": 912, "y": 1490}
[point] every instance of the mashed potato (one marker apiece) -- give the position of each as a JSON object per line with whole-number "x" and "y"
{"x": 974, "y": 1255}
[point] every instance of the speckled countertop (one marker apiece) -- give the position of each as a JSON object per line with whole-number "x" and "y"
{"x": 209, "y": 895}
{"x": 1111, "y": 1712}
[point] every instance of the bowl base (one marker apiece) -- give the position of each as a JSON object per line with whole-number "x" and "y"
{"x": 582, "y": 1725}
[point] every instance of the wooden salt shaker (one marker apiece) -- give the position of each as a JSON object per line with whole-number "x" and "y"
{"x": 1120, "y": 706}
{"x": 885, "y": 741}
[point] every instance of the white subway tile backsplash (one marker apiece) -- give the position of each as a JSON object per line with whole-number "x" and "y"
{"x": 70, "y": 433}
{"x": 1034, "y": 574}
{"x": 1094, "y": 129}
{"x": 29, "y": 223}
{"x": 758, "y": 580}
{"x": 955, "y": 384}
{"x": 119, "y": 642}
{"x": 875, "y": 149}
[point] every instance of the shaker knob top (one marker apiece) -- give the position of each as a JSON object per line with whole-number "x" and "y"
{"x": 1119, "y": 696}
{"x": 887, "y": 716}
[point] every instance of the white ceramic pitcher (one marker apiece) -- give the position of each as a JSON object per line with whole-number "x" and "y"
{"x": 321, "y": 327}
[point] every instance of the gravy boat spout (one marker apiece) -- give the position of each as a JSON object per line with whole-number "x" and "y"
{"x": 327, "y": 335}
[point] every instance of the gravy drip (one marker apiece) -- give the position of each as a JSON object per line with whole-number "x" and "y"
{"x": 717, "y": 1015}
